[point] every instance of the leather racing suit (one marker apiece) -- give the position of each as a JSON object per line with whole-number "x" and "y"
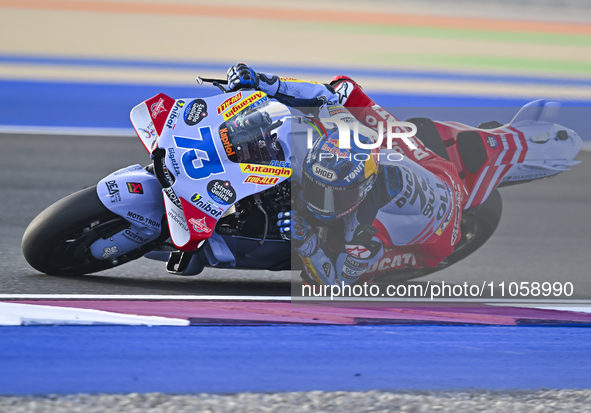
{"x": 411, "y": 216}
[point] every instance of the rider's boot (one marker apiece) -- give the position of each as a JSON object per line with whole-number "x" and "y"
{"x": 352, "y": 96}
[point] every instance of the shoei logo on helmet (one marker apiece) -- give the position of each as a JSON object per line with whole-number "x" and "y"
{"x": 323, "y": 173}
{"x": 395, "y": 129}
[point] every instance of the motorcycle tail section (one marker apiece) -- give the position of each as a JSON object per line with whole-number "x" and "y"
{"x": 551, "y": 148}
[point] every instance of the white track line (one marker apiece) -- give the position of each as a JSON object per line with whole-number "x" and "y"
{"x": 566, "y": 308}
{"x": 141, "y": 297}
{"x": 67, "y": 130}
{"x": 32, "y": 314}
{"x": 499, "y": 301}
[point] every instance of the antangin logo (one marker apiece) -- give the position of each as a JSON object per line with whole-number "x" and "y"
{"x": 243, "y": 104}
{"x": 265, "y": 170}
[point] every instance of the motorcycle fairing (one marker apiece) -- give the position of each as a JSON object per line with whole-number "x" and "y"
{"x": 530, "y": 147}
{"x": 149, "y": 118}
{"x": 134, "y": 194}
{"x": 198, "y": 165}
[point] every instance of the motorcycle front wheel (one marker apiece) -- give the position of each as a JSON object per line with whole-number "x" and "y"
{"x": 58, "y": 240}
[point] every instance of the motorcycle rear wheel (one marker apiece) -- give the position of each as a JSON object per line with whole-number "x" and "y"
{"x": 477, "y": 225}
{"x": 58, "y": 240}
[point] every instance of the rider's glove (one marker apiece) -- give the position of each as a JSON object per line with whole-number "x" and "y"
{"x": 293, "y": 226}
{"x": 241, "y": 76}
{"x": 284, "y": 225}
{"x": 358, "y": 255}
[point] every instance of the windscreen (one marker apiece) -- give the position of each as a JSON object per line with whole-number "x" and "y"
{"x": 247, "y": 137}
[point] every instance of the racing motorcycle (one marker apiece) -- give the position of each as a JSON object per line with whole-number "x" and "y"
{"x": 221, "y": 173}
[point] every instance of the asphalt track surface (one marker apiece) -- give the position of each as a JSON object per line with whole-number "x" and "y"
{"x": 544, "y": 234}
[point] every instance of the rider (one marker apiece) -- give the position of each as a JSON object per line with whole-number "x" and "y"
{"x": 406, "y": 206}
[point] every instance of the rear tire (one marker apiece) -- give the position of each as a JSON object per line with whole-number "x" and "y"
{"x": 477, "y": 225}
{"x": 58, "y": 240}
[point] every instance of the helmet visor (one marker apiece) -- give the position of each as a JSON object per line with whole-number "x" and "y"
{"x": 327, "y": 199}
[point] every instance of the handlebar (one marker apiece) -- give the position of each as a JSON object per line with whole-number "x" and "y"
{"x": 216, "y": 82}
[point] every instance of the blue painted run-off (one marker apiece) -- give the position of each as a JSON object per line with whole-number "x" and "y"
{"x": 31, "y": 103}
{"x": 291, "y": 358}
{"x": 281, "y": 70}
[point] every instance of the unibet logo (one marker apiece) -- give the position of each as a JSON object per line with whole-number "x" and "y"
{"x": 206, "y": 206}
{"x": 174, "y": 114}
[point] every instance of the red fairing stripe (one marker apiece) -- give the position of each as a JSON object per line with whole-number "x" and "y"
{"x": 201, "y": 225}
{"x": 422, "y": 233}
{"x": 483, "y": 188}
{"x": 523, "y": 143}
{"x": 159, "y": 108}
{"x": 382, "y": 234}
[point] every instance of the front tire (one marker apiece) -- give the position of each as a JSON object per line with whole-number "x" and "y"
{"x": 58, "y": 240}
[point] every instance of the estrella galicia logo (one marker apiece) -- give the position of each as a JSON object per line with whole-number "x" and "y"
{"x": 195, "y": 112}
{"x": 492, "y": 142}
{"x": 221, "y": 192}
{"x": 201, "y": 159}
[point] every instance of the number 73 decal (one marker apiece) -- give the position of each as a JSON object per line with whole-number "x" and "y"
{"x": 202, "y": 159}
